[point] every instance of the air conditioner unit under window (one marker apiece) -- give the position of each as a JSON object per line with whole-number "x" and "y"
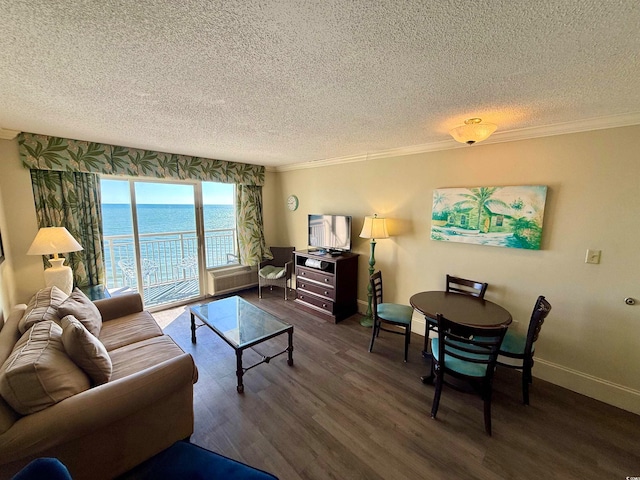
{"x": 231, "y": 279}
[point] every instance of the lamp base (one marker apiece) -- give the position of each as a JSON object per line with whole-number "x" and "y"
{"x": 366, "y": 322}
{"x": 59, "y": 276}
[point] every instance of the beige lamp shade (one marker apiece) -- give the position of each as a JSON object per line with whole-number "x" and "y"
{"x": 51, "y": 241}
{"x": 473, "y": 131}
{"x": 374, "y": 227}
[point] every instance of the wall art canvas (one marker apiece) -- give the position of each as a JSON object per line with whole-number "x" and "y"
{"x": 499, "y": 216}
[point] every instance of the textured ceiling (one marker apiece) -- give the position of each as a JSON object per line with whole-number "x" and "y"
{"x": 284, "y": 82}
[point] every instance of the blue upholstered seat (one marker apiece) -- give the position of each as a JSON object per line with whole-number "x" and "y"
{"x": 396, "y": 313}
{"x": 514, "y": 342}
{"x": 182, "y": 460}
{"x": 43, "y": 468}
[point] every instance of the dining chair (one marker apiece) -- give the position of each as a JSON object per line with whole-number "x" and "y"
{"x": 276, "y": 271}
{"x": 459, "y": 285}
{"x": 517, "y": 349}
{"x": 390, "y": 313}
{"x": 466, "y": 353}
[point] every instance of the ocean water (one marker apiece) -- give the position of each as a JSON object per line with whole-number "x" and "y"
{"x": 164, "y": 218}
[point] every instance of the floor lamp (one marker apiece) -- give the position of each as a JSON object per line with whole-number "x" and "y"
{"x": 373, "y": 228}
{"x": 54, "y": 240}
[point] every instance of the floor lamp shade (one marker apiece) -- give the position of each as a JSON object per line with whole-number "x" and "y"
{"x": 52, "y": 241}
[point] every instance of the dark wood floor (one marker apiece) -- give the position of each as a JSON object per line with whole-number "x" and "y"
{"x": 343, "y": 413}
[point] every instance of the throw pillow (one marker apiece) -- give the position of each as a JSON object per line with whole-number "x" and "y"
{"x": 86, "y": 350}
{"x": 42, "y": 306}
{"x": 39, "y": 373}
{"x": 79, "y": 305}
{"x": 271, "y": 272}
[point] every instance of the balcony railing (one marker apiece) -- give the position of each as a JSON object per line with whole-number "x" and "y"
{"x": 169, "y": 262}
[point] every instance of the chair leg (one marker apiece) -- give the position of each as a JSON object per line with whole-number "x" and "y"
{"x": 407, "y": 338}
{"x": 259, "y": 291}
{"x": 437, "y": 393}
{"x": 487, "y": 412}
{"x": 526, "y": 380}
{"x": 373, "y": 335}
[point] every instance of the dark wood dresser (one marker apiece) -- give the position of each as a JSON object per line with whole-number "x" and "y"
{"x": 327, "y": 285}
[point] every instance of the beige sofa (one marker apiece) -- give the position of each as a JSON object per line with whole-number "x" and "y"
{"x": 104, "y": 430}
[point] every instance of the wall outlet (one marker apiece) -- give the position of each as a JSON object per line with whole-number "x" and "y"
{"x": 593, "y": 256}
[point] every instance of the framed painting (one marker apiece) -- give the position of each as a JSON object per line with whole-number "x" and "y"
{"x": 499, "y": 216}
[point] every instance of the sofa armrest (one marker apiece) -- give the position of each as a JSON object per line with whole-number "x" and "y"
{"x": 119, "y": 306}
{"x": 93, "y": 409}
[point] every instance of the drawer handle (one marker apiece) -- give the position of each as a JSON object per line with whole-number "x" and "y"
{"x": 301, "y": 296}
{"x": 324, "y": 305}
{"x": 326, "y": 280}
{"x": 303, "y": 273}
{"x": 326, "y": 293}
{"x": 302, "y": 285}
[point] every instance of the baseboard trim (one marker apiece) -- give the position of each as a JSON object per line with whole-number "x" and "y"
{"x": 608, "y": 392}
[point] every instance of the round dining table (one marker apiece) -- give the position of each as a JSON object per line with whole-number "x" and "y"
{"x": 459, "y": 308}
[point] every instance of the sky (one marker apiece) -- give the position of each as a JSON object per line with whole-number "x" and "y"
{"x": 117, "y": 191}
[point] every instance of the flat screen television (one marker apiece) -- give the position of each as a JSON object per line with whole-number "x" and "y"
{"x": 330, "y": 232}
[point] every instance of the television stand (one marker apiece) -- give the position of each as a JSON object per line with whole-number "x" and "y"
{"x": 330, "y": 291}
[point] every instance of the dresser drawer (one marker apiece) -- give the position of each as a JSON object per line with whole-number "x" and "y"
{"x": 323, "y": 290}
{"x": 317, "y": 302}
{"x": 315, "y": 276}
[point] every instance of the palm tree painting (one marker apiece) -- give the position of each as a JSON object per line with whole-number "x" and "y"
{"x": 499, "y": 216}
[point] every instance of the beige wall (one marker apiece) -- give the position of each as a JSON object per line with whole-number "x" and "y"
{"x": 20, "y": 275}
{"x": 590, "y": 341}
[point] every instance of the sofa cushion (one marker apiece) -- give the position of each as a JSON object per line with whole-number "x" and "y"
{"x": 86, "y": 350}
{"x": 39, "y": 373}
{"x": 138, "y": 356}
{"x": 83, "y": 309}
{"x": 9, "y": 335}
{"x": 129, "y": 329}
{"x": 42, "y": 306}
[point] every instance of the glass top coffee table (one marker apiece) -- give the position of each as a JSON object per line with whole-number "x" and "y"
{"x": 242, "y": 325}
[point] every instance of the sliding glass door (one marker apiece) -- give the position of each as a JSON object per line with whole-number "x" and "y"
{"x": 152, "y": 239}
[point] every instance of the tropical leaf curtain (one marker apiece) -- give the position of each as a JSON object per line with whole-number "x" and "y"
{"x": 72, "y": 200}
{"x": 251, "y": 244}
{"x": 41, "y": 152}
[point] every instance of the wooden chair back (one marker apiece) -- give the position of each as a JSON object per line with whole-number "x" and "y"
{"x": 466, "y": 287}
{"x": 540, "y": 311}
{"x": 376, "y": 288}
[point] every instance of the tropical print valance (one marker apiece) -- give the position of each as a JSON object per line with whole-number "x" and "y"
{"x": 41, "y": 152}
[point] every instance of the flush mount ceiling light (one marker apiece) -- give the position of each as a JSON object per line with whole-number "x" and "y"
{"x": 473, "y": 131}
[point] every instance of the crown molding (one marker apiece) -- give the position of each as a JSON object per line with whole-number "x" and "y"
{"x": 6, "y": 134}
{"x": 591, "y": 124}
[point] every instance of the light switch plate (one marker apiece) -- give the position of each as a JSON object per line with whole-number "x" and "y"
{"x": 593, "y": 256}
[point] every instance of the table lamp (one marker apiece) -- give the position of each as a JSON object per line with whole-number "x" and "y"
{"x": 54, "y": 240}
{"x": 373, "y": 228}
